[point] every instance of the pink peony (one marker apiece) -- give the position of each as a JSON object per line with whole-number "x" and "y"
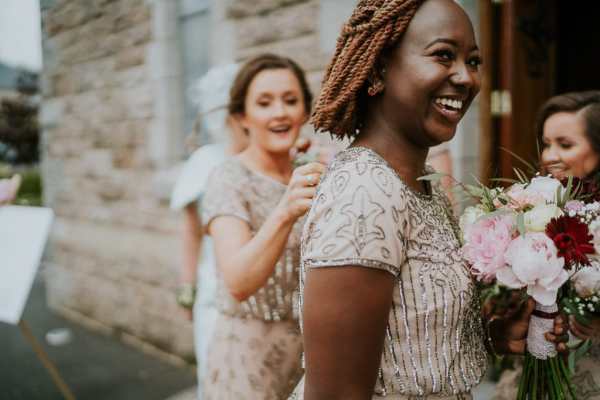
{"x": 521, "y": 198}
{"x": 574, "y": 206}
{"x": 533, "y": 263}
{"x": 486, "y": 242}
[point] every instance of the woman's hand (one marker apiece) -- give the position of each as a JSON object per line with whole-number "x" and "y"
{"x": 509, "y": 335}
{"x": 585, "y": 332}
{"x": 187, "y": 313}
{"x": 300, "y": 191}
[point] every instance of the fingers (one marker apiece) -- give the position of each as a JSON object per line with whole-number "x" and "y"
{"x": 559, "y": 340}
{"x": 312, "y": 179}
{"x": 302, "y": 145}
{"x": 305, "y": 192}
{"x": 310, "y": 168}
{"x": 560, "y": 334}
{"x": 302, "y": 206}
{"x": 526, "y": 310}
{"x": 561, "y": 325}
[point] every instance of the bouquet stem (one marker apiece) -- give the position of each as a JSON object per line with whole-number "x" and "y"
{"x": 545, "y": 374}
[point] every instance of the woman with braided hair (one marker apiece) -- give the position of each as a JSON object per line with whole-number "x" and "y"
{"x": 389, "y": 308}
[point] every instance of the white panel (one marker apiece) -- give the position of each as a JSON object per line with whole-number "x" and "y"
{"x": 23, "y": 234}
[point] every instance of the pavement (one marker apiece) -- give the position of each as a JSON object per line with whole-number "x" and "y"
{"x": 94, "y": 366}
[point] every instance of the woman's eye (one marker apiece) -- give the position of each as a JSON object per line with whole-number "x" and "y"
{"x": 263, "y": 103}
{"x": 291, "y": 101}
{"x": 566, "y": 146}
{"x": 475, "y": 62}
{"x": 445, "y": 55}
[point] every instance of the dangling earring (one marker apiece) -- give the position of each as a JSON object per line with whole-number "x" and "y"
{"x": 375, "y": 88}
{"x": 377, "y": 85}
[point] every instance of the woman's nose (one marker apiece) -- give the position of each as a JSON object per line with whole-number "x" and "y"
{"x": 550, "y": 155}
{"x": 280, "y": 110}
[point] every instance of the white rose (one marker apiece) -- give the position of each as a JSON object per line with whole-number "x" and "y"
{"x": 537, "y": 218}
{"x": 544, "y": 186}
{"x": 595, "y": 231}
{"x": 469, "y": 216}
{"x": 587, "y": 281}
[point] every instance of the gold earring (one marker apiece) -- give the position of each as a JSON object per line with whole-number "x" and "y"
{"x": 376, "y": 88}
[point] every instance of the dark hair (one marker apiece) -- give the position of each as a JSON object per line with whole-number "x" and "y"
{"x": 247, "y": 73}
{"x": 587, "y": 104}
{"x": 374, "y": 28}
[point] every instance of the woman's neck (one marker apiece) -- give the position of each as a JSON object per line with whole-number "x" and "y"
{"x": 275, "y": 165}
{"x": 406, "y": 158}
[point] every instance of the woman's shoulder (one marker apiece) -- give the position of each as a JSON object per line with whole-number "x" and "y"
{"x": 360, "y": 168}
{"x": 229, "y": 171}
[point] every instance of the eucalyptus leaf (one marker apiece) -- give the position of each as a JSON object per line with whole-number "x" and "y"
{"x": 432, "y": 177}
{"x": 521, "y": 223}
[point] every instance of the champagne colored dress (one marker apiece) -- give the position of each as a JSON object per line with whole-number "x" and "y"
{"x": 255, "y": 351}
{"x": 365, "y": 215}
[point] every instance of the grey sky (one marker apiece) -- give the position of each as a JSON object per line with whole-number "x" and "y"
{"x": 20, "y": 31}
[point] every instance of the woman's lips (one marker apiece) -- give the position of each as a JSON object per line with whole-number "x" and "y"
{"x": 452, "y": 115}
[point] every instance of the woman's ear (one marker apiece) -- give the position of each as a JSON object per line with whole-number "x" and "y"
{"x": 376, "y": 77}
{"x": 238, "y": 120}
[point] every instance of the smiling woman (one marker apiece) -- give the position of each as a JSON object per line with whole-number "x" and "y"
{"x": 569, "y": 129}
{"x": 252, "y": 208}
{"x": 389, "y": 308}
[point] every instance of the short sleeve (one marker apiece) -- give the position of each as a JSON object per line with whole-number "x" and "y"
{"x": 224, "y": 195}
{"x": 357, "y": 219}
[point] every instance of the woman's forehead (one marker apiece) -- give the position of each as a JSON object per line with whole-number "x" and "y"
{"x": 440, "y": 19}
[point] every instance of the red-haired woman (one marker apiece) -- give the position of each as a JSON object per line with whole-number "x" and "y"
{"x": 389, "y": 307}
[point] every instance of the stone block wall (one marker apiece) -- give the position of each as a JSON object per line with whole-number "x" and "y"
{"x": 114, "y": 249}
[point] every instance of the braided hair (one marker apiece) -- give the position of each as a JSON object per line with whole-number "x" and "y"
{"x": 374, "y": 27}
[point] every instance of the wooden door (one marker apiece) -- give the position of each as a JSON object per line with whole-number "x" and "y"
{"x": 521, "y": 75}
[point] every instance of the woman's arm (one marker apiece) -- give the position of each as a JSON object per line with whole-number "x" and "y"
{"x": 345, "y": 314}
{"x": 246, "y": 262}
{"x": 191, "y": 235}
{"x": 584, "y": 332}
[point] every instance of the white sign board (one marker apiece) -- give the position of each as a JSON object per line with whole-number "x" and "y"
{"x": 23, "y": 235}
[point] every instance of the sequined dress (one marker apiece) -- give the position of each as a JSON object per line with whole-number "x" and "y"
{"x": 255, "y": 351}
{"x": 365, "y": 215}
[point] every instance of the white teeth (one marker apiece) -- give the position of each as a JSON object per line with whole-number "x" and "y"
{"x": 456, "y": 104}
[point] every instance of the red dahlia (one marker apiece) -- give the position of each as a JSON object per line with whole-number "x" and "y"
{"x": 572, "y": 239}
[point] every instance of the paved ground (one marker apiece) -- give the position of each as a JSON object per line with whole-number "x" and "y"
{"x": 482, "y": 392}
{"x": 96, "y": 367}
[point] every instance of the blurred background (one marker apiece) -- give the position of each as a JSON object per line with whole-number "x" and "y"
{"x": 95, "y": 107}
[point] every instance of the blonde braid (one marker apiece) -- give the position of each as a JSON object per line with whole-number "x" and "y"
{"x": 374, "y": 26}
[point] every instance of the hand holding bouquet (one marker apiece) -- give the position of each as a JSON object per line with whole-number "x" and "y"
{"x": 538, "y": 235}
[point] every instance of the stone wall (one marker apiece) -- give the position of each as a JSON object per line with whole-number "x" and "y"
{"x": 114, "y": 251}
{"x": 286, "y": 27}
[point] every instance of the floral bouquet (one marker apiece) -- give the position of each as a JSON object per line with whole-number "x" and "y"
{"x": 538, "y": 236}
